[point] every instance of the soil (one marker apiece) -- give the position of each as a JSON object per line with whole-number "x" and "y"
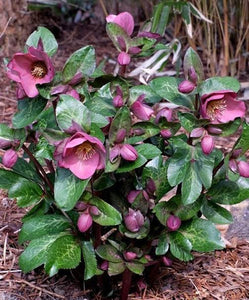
{"x": 217, "y": 275}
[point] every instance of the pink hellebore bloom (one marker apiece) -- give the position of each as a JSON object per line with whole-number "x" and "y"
{"x": 124, "y": 58}
{"x": 243, "y": 168}
{"x": 9, "y": 158}
{"x": 207, "y": 144}
{"x": 126, "y": 151}
{"x": 84, "y": 222}
{"x": 29, "y": 69}
{"x": 134, "y": 220}
{"x": 222, "y": 106}
{"x": 124, "y": 20}
{"x": 82, "y": 154}
{"x": 164, "y": 113}
{"x": 141, "y": 110}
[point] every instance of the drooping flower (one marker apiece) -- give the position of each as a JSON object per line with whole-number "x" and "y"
{"x": 9, "y": 158}
{"x": 82, "y": 154}
{"x": 164, "y": 113}
{"x": 243, "y": 168}
{"x": 186, "y": 87}
{"x": 173, "y": 223}
{"x": 30, "y": 69}
{"x": 124, "y": 20}
{"x": 141, "y": 110}
{"x": 84, "y": 222}
{"x": 222, "y": 106}
{"x": 134, "y": 220}
{"x": 126, "y": 151}
{"x": 207, "y": 144}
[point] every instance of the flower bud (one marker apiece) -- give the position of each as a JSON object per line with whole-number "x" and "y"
{"x": 173, "y": 223}
{"x": 197, "y": 132}
{"x": 130, "y": 255}
{"x": 243, "y": 168}
{"x": 120, "y": 136}
{"x": 167, "y": 261}
{"x": 207, "y": 144}
{"x": 134, "y": 220}
{"x": 117, "y": 101}
{"x": 148, "y": 34}
{"x": 94, "y": 211}
{"x": 9, "y": 158}
{"x": 84, "y": 222}
{"x": 124, "y": 58}
{"x": 236, "y": 153}
{"x": 104, "y": 266}
{"x": 151, "y": 186}
{"x": 192, "y": 75}
{"x": 166, "y": 133}
{"x": 186, "y": 87}
{"x": 132, "y": 196}
{"x": 141, "y": 110}
{"x": 81, "y": 206}
{"x": 134, "y": 50}
{"x": 141, "y": 285}
{"x": 214, "y": 130}
{"x": 233, "y": 165}
{"x": 128, "y": 152}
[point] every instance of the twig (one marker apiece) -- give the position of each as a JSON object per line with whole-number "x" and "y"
{"x": 103, "y": 7}
{"x": 5, "y": 28}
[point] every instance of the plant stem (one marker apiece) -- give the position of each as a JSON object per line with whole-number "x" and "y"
{"x": 126, "y": 284}
{"x": 122, "y": 70}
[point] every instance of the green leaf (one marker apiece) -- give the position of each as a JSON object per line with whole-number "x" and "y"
{"x": 36, "y": 253}
{"x": 167, "y": 88}
{"x": 243, "y": 141}
{"x": 115, "y": 268}
{"x": 68, "y": 188}
{"x": 25, "y": 169}
{"x": 64, "y": 253}
{"x": 186, "y": 212}
{"x": 70, "y": 109}
{"x": 9, "y": 134}
{"x": 149, "y": 151}
{"x": 160, "y": 18}
{"x": 162, "y": 211}
{"x": 42, "y": 225}
{"x": 115, "y": 32}
{"x": 147, "y": 129}
{"x": 180, "y": 246}
{"x": 146, "y": 90}
{"x": 26, "y": 192}
{"x": 189, "y": 121}
{"x": 128, "y": 166}
{"x": 192, "y": 59}
{"x": 38, "y": 210}
{"x": 230, "y": 127}
{"x": 122, "y": 120}
{"x": 163, "y": 245}
{"x": 89, "y": 260}
{"x": 214, "y": 84}
{"x": 28, "y": 111}
{"x": 135, "y": 267}
{"x": 216, "y": 213}
{"x": 8, "y": 179}
{"x": 81, "y": 61}
{"x": 49, "y": 42}
{"x": 109, "y": 253}
{"x": 108, "y": 215}
{"x": 203, "y": 235}
{"x": 105, "y": 181}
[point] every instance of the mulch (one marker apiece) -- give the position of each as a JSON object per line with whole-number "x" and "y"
{"x": 222, "y": 275}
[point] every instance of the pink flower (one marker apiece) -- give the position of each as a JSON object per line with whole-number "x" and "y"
{"x": 167, "y": 261}
{"x": 65, "y": 89}
{"x": 222, "y": 106}
{"x": 192, "y": 75}
{"x": 126, "y": 151}
{"x": 129, "y": 255}
{"x": 173, "y": 223}
{"x": 197, "y": 132}
{"x": 133, "y": 195}
{"x": 141, "y": 110}
{"x": 82, "y": 154}
{"x": 29, "y": 69}
{"x": 117, "y": 101}
{"x": 124, "y": 20}
{"x": 164, "y": 113}
{"x": 134, "y": 220}
{"x": 84, "y": 222}
{"x": 166, "y": 133}
{"x": 243, "y": 168}
{"x": 207, "y": 144}
{"x": 124, "y": 58}
{"x": 9, "y": 158}
{"x": 186, "y": 87}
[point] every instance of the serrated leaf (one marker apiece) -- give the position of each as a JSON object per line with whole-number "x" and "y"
{"x": 192, "y": 59}
{"x": 89, "y": 260}
{"x": 216, "y": 213}
{"x": 203, "y": 235}
{"x": 70, "y": 109}
{"x": 68, "y": 188}
{"x": 81, "y": 61}
{"x": 49, "y": 42}
{"x": 214, "y": 84}
{"x": 42, "y": 225}
{"x": 36, "y": 253}
{"x": 26, "y": 192}
{"x": 180, "y": 246}
{"x": 167, "y": 88}
{"x": 149, "y": 151}
{"x": 28, "y": 111}
{"x": 135, "y": 267}
{"x": 64, "y": 253}
{"x": 109, "y": 253}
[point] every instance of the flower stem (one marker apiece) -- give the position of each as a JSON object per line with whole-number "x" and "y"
{"x": 126, "y": 284}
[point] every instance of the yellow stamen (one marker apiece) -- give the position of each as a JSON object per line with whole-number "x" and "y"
{"x": 85, "y": 151}
{"x": 216, "y": 107}
{"x": 39, "y": 69}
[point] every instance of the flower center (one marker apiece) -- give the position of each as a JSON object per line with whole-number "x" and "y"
{"x": 85, "y": 151}
{"x": 215, "y": 107}
{"x": 39, "y": 69}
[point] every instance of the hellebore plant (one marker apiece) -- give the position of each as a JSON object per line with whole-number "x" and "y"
{"x": 120, "y": 176}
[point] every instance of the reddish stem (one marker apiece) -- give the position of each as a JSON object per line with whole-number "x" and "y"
{"x": 126, "y": 284}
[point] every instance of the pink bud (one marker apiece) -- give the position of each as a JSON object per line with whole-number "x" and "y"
{"x": 134, "y": 50}
{"x": 164, "y": 113}
{"x": 114, "y": 152}
{"x": 186, "y": 87}
{"x": 192, "y": 75}
{"x": 148, "y": 34}
{"x": 141, "y": 110}
{"x": 233, "y": 165}
{"x": 104, "y": 266}
{"x": 117, "y": 101}
{"x": 134, "y": 220}
{"x": 173, "y": 223}
{"x": 9, "y": 158}
{"x": 167, "y": 261}
{"x": 166, "y": 133}
{"x": 214, "y": 130}
{"x": 137, "y": 131}
{"x": 84, "y": 222}
{"x": 151, "y": 186}
{"x": 81, "y": 205}
{"x": 132, "y": 196}
{"x": 146, "y": 196}
{"x": 73, "y": 93}
{"x": 128, "y": 152}
{"x": 76, "y": 79}
{"x": 243, "y": 168}
{"x": 207, "y": 144}
{"x": 236, "y": 153}
{"x": 120, "y": 136}
{"x": 124, "y": 58}
{"x": 130, "y": 255}
{"x": 197, "y": 132}
{"x": 94, "y": 211}
{"x": 141, "y": 285}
